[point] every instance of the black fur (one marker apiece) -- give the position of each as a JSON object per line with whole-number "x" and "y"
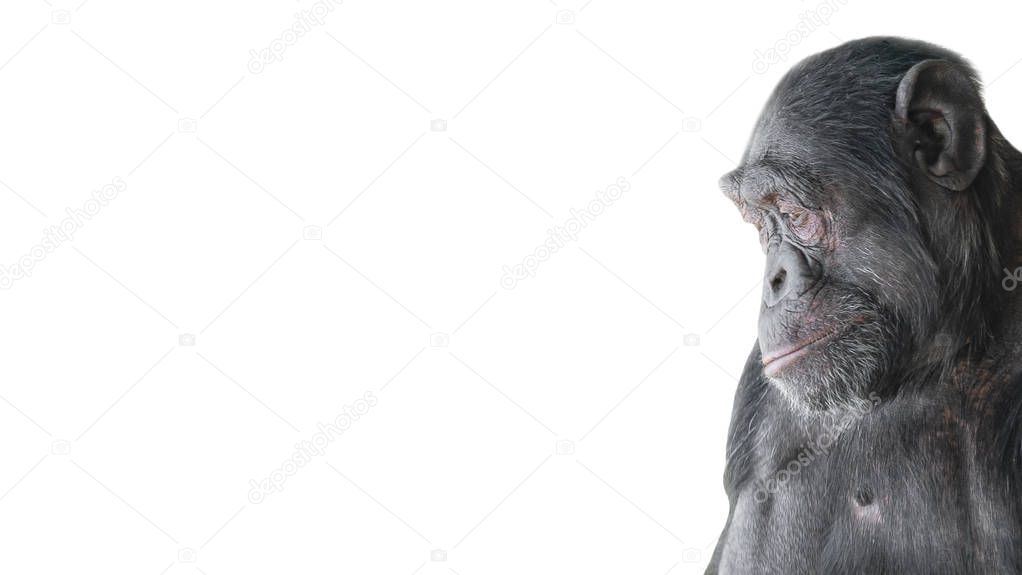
{"x": 920, "y": 397}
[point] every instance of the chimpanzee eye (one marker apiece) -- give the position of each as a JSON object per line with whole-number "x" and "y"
{"x": 803, "y": 223}
{"x": 798, "y": 218}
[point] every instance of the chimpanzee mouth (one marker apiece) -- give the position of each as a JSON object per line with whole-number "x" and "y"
{"x": 775, "y": 362}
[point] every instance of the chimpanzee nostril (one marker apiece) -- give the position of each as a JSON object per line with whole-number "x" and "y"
{"x": 787, "y": 274}
{"x": 778, "y": 281}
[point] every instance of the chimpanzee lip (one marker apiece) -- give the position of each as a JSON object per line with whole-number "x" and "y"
{"x": 792, "y": 351}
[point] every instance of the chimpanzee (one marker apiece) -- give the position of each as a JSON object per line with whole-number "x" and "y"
{"x": 877, "y": 427}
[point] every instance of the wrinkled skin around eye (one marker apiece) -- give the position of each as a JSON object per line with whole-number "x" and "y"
{"x": 804, "y": 223}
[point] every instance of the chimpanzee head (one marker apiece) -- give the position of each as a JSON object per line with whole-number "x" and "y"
{"x": 871, "y": 181}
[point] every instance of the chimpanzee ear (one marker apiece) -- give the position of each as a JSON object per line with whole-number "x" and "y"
{"x": 942, "y": 120}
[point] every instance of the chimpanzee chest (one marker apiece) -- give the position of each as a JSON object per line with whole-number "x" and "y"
{"x": 878, "y": 498}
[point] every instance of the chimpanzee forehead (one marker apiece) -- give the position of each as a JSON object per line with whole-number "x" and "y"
{"x": 800, "y": 150}
{"x": 785, "y": 140}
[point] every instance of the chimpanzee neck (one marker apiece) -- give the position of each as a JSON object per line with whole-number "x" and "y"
{"x": 1009, "y": 162}
{"x": 1005, "y": 323}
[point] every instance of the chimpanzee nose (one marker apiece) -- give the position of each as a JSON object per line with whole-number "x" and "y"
{"x": 787, "y": 274}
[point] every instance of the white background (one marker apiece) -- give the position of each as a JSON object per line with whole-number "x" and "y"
{"x": 190, "y": 335}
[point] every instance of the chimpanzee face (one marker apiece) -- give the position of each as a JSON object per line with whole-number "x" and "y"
{"x": 850, "y": 273}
